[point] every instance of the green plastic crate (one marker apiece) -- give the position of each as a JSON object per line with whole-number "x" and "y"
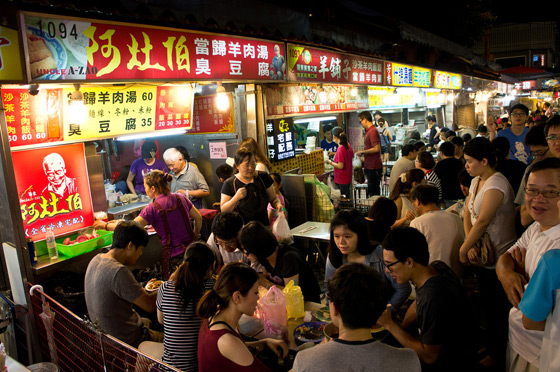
{"x": 104, "y": 238}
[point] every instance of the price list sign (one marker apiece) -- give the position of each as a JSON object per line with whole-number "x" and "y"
{"x": 174, "y": 107}
{"x": 32, "y": 119}
{"x": 112, "y": 111}
{"x": 280, "y": 139}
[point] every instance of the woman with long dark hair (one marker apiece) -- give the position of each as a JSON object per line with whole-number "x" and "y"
{"x": 342, "y": 162}
{"x": 349, "y": 242}
{"x": 401, "y": 196}
{"x": 220, "y": 346}
{"x": 176, "y": 306}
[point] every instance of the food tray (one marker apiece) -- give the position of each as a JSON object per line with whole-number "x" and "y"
{"x": 104, "y": 238}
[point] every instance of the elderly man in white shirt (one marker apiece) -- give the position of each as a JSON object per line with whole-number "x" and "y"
{"x": 403, "y": 164}
{"x": 517, "y": 265}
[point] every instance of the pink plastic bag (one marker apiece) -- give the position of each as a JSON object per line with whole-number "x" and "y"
{"x": 281, "y": 230}
{"x": 273, "y": 313}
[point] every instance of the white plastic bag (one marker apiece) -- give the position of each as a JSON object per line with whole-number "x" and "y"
{"x": 281, "y": 229}
{"x": 356, "y": 162}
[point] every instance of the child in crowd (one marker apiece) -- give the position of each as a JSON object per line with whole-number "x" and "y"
{"x": 279, "y": 191}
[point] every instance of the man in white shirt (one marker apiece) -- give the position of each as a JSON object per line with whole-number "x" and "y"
{"x": 405, "y": 163}
{"x": 443, "y": 230}
{"x": 517, "y": 265}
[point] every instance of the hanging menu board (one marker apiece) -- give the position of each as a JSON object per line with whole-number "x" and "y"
{"x": 53, "y": 189}
{"x": 33, "y": 119}
{"x": 280, "y": 139}
{"x": 208, "y": 118}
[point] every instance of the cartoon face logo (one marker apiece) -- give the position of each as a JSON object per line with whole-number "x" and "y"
{"x": 55, "y": 169}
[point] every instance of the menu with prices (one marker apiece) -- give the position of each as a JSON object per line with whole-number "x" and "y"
{"x": 33, "y": 119}
{"x": 208, "y": 118}
{"x": 174, "y": 107}
{"x": 53, "y": 189}
{"x": 280, "y": 139}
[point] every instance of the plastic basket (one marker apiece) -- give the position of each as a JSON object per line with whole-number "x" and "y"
{"x": 104, "y": 238}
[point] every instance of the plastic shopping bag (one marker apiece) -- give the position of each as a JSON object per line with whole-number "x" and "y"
{"x": 294, "y": 300}
{"x": 356, "y": 162}
{"x": 281, "y": 230}
{"x": 273, "y": 313}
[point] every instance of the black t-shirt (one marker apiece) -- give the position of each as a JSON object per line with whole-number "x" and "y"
{"x": 513, "y": 170}
{"x": 433, "y": 131}
{"x": 448, "y": 171}
{"x": 444, "y": 318}
{"x": 289, "y": 262}
{"x": 253, "y": 206}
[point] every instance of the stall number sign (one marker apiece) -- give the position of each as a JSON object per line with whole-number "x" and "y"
{"x": 217, "y": 150}
{"x": 280, "y": 139}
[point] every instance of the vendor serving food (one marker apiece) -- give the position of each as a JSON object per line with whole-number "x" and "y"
{"x": 170, "y": 215}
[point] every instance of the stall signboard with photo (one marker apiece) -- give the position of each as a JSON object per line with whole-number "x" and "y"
{"x": 447, "y": 80}
{"x": 209, "y": 118}
{"x": 73, "y": 49}
{"x": 321, "y": 66}
{"x": 53, "y": 189}
{"x": 33, "y": 119}
{"x": 407, "y": 76}
{"x": 11, "y": 69}
{"x": 111, "y": 112}
{"x": 309, "y": 99}
{"x": 280, "y": 139}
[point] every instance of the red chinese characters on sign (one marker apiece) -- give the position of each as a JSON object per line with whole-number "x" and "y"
{"x": 208, "y": 118}
{"x": 174, "y": 107}
{"x": 116, "y": 51}
{"x": 32, "y": 119}
{"x": 315, "y": 65}
{"x": 53, "y": 190}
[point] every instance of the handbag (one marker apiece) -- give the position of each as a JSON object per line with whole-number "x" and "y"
{"x": 484, "y": 246}
{"x": 359, "y": 175}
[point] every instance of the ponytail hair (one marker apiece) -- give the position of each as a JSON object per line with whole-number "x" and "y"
{"x": 405, "y": 181}
{"x": 159, "y": 180}
{"x": 339, "y": 133}
{"x": 199, "y": 261}
{"x": 235, "y": 276}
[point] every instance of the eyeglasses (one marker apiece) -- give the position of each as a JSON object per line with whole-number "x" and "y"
{"x": 549, "y": 194}
{"x": 540, "y": 154}
{"x": 518, "y": 114}
{"x": 552, "y": 138}
{"x": 389, "y": 265}
{"x": 226, "y": 243}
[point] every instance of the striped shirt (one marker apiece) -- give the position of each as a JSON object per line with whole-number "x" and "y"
{"x": 180, "y": 341}
{"x": 432, "y": 179}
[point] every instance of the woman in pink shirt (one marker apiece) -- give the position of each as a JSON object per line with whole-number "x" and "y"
{"x": 342, "y": 162}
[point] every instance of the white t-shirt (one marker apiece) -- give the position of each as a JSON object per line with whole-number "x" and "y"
{"x": 525, "y": 342}
{"x": 444, "y": 234}
{"x": 502, "y": 228}
{"x": 401, "y": 166}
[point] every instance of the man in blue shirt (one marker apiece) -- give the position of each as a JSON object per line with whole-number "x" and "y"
{"x": 516, "y": 134}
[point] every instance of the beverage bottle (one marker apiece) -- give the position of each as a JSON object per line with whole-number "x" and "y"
{"x": 51, "y": 244}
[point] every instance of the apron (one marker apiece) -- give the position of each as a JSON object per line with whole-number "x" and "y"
{"x": 167, "y": 248}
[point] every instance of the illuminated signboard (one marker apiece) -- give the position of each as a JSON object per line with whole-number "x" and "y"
{"x": 65, "y": 49}
{"x": 280, "y": 139}
{"x": 208, "y": 118}
{"x": 407, "y": 76}
{"x": 446, "y": 80}
{"x": 33, "y": 119}
{"x": 526, "y": 85}
{"x": 53, "y": 189}
{"x": 316, "y": 65}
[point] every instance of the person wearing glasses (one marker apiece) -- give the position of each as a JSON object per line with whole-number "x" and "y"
{"x": 516, "y": 134}
{"x": 187, "y": 179}
{"x": 440, "y": 312}
{"x": 516, "y": 267}
{"x": 373, "y": 167}
{"x": 536, "y": 140}
{"x": 552, "y": 132}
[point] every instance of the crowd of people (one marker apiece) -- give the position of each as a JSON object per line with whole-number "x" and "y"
{"x": 459, "y": 263}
